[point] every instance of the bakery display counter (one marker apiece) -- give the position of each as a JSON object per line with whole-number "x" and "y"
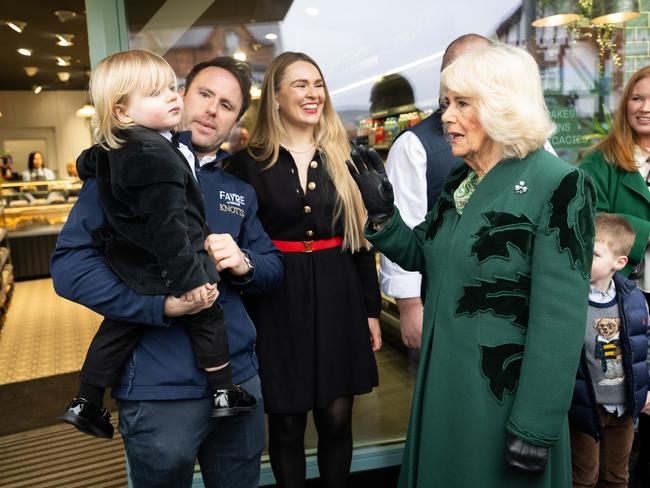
{"x": 38, "y": 204}
{"x": 34, "y": 213}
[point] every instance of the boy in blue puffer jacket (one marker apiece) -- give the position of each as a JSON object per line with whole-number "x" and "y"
{"x": 612, "y": 381}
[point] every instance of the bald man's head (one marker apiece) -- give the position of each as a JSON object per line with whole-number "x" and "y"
{"x": 462, "y": 45}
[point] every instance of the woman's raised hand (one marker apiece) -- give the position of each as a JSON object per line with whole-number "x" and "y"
{"x": 370, "y": 176}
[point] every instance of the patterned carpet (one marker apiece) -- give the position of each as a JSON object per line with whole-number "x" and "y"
{"x": 44, "y": 334}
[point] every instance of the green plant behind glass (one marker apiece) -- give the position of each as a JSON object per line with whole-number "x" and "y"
{"x": 598, "y": 128}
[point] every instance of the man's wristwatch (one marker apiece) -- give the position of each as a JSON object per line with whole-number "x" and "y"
{"x": 248, "y": 262}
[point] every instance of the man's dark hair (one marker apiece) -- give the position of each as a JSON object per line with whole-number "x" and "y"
{"x": 239, "y": 69}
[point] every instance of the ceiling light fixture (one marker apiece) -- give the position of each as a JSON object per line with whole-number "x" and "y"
{"x": 30, "y": 70}
{"x": 63, "y": 75}
{"x": 63, "y": 60}
{"x": 256, "y": 92}
{"x": 65, "y": 15}
{"x": 16, "y": 25}
{"x": 271, "y": 36}
{"x": 37, "y": 89}
{"x": 64, "y": 40}
{"x": 24, "y": 51}
{"x": 560, "y": 12}
{"x": 240, "y": 56}
{"x": 312, "y": 11}
{"x": 614, "y": 12}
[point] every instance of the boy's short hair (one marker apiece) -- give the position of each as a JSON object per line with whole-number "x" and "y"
{"x": 111, "y": 82}
{"x": 616, "y": 232}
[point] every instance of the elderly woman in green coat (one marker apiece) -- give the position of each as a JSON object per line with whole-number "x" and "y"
{"x": 507, "y": 255}
{"x": 620, "y": 169}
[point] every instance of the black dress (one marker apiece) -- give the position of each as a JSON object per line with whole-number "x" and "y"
{"x": 313, "y": 340}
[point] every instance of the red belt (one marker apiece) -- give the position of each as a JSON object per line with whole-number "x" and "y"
{"x": 308, "y": 246}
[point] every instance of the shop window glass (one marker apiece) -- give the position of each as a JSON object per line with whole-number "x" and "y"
{"x": 382, "y": 61}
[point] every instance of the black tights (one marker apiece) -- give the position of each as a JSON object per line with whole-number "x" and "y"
{"x": 287, "y": 445}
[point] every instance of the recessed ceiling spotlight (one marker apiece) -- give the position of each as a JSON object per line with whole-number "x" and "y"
{"x": 271, "y": 36}
{"x": 37, "y": 89}
{"x": 16, "y": 25}
{"x": 64, "y": 40}
{"x": 30, "y": 70}
{"x": 240, "y": 56}
{"x": 313, "y": 11}
{"x": 63, "y": 75}
{"x": 65, "y": 15}
{"x": 63, "y": 60}
{"x": 24, "y": 51}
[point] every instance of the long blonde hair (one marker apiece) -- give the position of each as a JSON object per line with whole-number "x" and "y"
{"x": 618, "y": 146}
{"x": 330, "y": 138}
{"x": 114, "y": 79}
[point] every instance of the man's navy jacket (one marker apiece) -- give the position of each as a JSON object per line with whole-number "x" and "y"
{"x": 163, "y": 366}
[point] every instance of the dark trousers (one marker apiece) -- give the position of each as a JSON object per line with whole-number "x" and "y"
{"x": 603, "y": 462}
{"x": 163, "y": 440}
{"x": 115, "y": 341}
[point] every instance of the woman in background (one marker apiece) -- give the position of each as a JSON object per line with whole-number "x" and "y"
{"x": 36, "y": 169}
{"x": 620, "y": 168}
{"x": 317, "y": 333}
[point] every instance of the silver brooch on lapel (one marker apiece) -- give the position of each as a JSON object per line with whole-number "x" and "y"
{"x": 521, "y": 187}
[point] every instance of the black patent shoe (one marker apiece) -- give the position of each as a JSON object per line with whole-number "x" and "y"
{"x": 231, "y": 401}
{"x": 88, "y": 418}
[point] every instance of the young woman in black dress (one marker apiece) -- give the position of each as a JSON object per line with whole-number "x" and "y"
{"x": 318, "y": 332}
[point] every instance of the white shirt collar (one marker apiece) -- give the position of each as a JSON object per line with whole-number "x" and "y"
{"x": 188, "y": 154}
{"x": 207, "y": 159}
{"x": 185, "y": 151}
{"x": 598, "y": 296}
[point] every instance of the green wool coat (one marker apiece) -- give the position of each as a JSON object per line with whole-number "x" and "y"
{"x": 504, "y": 322}
{"x": 624, "y": 193}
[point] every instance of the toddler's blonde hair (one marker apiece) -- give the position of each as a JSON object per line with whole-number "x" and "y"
{"x": 114, "y": 79}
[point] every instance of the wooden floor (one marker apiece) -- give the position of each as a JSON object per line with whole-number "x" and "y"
{"x": 45, "y": 335}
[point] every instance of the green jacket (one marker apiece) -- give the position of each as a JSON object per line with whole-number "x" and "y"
{"x": 504, "y": 321}
{"x": 624, "y": 193}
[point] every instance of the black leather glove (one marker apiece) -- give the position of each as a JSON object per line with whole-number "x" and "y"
{"x": 524, "y": 457}
{"x": 376, "y": 191}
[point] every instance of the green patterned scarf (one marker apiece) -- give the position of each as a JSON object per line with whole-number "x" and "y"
{"x": 465, "y": 190}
